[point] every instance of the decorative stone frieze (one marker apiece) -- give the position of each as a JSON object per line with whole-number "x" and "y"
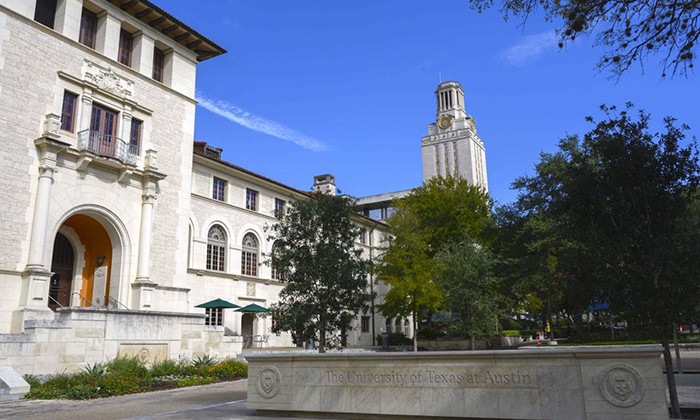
{"x": 107, "y": 80}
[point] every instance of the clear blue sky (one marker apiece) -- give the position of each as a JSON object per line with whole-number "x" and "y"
{"x": 347, "y": 88}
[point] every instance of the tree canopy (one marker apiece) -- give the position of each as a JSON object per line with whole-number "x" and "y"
{"x": 630, "y": 30}
{"x": 442, "y": 212}
{"x": 325, "y": 275}
{"x": 612, "y": 218}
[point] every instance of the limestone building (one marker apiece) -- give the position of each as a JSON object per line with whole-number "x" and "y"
{"x": 114, "y": 223}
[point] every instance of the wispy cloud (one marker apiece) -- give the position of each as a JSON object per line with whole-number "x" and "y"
{"x": 259, "y": 124}
{"x": 529, "y": 48}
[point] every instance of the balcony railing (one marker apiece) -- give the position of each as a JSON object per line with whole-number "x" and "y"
{"x": 106, "y": 145}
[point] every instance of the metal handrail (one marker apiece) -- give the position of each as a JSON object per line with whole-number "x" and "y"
{"x": 56, "y": 302}
{"x": 107, "y": 145}
{"x": 118, "y": 303}
{"x": 83, "y": 298}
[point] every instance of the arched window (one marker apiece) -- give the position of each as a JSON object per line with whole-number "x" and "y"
{"x": 388, "y": 325}
{"x": 216, "y": 248}
{"x": 406, "y": 327}
{"x": 275, "y": 274}
{"x": 249, "y": 257}
{"x": 398, "y": 325}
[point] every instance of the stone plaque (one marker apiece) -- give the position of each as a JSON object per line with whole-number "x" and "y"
{"x": 147, "y": 353}
{"x": 621, "y": 385}
{"x": 250, "y": 289}
{"x": 268, "y": 383}
{"x": 100, "y": 287}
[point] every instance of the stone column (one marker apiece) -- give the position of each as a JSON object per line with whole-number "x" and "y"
{"x": 143, "y": 269}
{"x": 86, "y": 112}
{"x": 68, "y": 14}
{"x": 37, "y": 243}
{"x": 142, "y": 58}
{"x": 108, "y": 30}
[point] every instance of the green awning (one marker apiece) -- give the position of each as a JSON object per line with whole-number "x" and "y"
{"x": 252, "y": 308}
{"x": 217, "y": 303}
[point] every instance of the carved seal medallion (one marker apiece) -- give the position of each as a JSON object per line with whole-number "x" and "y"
{"x": 268, "y": 384}
{"x": 621, "y": 385}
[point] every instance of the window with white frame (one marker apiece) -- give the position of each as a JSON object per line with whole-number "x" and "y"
{"x": 218, "y": 188}
{"x": 397, "y": 324}
{"x": 388, "y": 325}
{"x": 216, "y": 248}
{"x": 249, "y": 255}
{"x": 280, "y": 206}
{"x": 215, "y": 317}
{"x": 251, "y": 199}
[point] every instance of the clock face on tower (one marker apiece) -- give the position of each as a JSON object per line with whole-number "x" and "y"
{"x": 445, "y": 122}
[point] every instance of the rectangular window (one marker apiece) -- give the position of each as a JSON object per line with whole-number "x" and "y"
{"x": 279, "y": 208}
{"x": 218, "y": 189}
{"x": 158, "y": 64}
{"x": 215, "y": 257}
{"x": 135, "y": 137}
{"x": 365, "y": 324}
{"x": 215, "y": 317}
{"x": 88, "y": 28}
{"x": 68, "y": 111}
{"x": 251, "y": 199}
{"x": 125, "y": 43}
{"x": 249, "y": 263}
{"x": 363, "y": 236}
{"x": 45, "y": 12}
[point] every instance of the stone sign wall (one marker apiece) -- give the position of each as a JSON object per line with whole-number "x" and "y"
{"x": 554, "y": 383}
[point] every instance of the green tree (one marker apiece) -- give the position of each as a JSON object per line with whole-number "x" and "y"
{"x": 625, "y": 196}
{"x": 325, "y": 274}
{"x": 471, "y": 289}
{"x": 442, "y": 212}
{"x": 630, "y": 30}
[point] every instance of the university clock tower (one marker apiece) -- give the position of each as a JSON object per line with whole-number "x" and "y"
{"x": 452, "y": 146}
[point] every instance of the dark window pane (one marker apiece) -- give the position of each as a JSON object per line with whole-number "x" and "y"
{"x": 45, "y": 12}
{"x": 158, "y": 64}
{"x": 135, "y": 137}
{"x": 125, "y": 42}
{"x": 88, "y": 28}
{"x": 68, "y": 112}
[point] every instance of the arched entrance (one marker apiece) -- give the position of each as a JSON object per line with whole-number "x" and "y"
{"x": 91, "y": 270}
{"x": 247, "y": 321}
{"x": 62, "y": 265}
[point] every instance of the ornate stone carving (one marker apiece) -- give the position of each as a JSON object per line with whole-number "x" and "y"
{"x": 268, "y": 384}
{"x": 250, "y": 289}
{"x": 621, "y": 385}
{"x": 107, "y": 80}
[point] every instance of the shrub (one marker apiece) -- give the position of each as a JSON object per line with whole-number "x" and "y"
{"x": 127, "y": 366}
{"x": 171, "y": 367}
{"x": 511, "y": 332}
{"x": 429, "y": 333}
{"x": 228, "y": 369}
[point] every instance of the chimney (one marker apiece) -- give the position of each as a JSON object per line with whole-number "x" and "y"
{"x": 324, "y": 184}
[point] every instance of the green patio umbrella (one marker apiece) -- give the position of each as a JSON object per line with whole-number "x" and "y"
{"x": 252, "y": 308}
{"x": 217, "y": 303}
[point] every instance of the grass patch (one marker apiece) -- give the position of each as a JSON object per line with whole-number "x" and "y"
{"x": 128, "y": 375}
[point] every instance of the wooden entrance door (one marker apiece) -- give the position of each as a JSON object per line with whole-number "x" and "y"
{"x": 103, "y": 131}
{"x": 62, "y": 267}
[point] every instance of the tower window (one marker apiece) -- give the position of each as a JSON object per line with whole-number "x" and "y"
{"x": 45, "y": 12}
{"x": 88, "y": 28}
{"x": 158, "y": 64}
{"x": 125, "y": 43}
